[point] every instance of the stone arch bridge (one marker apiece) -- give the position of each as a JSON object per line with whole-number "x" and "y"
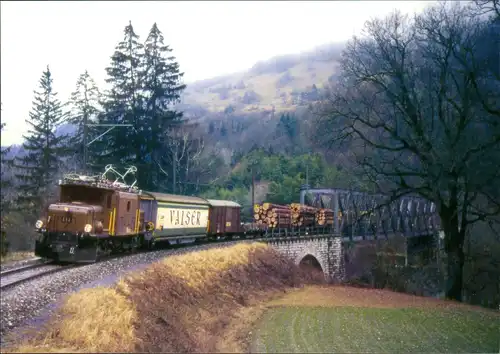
{"x": 363, "y": 223}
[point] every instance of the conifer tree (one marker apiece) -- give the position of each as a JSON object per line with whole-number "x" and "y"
{"x": 5, "y": 183}
{"x": 4, "y": 202}
{"x": 85, "y": 107}
{"x": 44, "y": 150}
{"x": 123, "y": 102}
{"x": 4, "y": 161}
{"x": 162, "y": 88}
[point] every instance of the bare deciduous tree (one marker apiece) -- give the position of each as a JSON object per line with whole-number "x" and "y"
{"x": 188, "y": 160}
{"x": 418, "y": 102}
{"x": 489, "y": 6}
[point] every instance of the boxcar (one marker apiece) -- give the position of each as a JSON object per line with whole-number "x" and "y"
{"x": 174, "y": 216}
{"x": 224, "y": 217}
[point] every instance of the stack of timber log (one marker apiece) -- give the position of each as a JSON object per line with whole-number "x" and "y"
{"x": 302, "y": 215}
{"x": 293, "y": 215}
{"x": 273, "y": 215}
{"x": 324, "y": 217}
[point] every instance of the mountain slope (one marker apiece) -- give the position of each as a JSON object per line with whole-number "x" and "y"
{"x": 283, "y": 82}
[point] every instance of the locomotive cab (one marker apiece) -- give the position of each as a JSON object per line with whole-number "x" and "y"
{"x": 80, "y": 209}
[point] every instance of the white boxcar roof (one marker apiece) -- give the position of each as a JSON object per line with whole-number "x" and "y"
{"x": 173, "y": 198}
{"x": 223, "y": 203}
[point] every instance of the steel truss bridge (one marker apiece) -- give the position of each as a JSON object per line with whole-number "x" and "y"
{"x": 361, "y": 216}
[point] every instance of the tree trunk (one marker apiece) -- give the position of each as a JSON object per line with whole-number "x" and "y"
{"x": 455, "y": 265}
{"x": 454, "y": 247}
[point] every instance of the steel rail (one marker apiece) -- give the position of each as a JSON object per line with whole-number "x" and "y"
{"x": 25, "y": 274}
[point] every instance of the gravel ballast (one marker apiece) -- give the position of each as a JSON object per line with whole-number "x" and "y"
{"x": 30, "y": 304}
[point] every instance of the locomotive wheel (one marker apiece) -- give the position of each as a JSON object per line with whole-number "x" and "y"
{"x": 134, "y": 245}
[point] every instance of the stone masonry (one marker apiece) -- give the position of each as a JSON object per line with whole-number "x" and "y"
{"x": 327, "y": 250}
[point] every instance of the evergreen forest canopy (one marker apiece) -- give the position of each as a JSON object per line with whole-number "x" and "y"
{"x": 413, "y": 109}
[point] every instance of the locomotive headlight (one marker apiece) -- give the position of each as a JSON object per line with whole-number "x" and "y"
{"x": 98, "y": 227}
{"x": 39, "y": 224}
{"x": 150, "y": 226}
{"x": 87, "y": 228}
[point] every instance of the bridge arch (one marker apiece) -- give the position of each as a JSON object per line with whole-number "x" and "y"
{"x": 310, "y": 261}
{"x": 308, "y": 258}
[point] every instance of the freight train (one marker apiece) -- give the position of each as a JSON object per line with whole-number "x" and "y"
{"x": 96, "y": 217}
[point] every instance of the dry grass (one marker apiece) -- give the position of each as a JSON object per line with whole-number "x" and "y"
{"x": 92, "y": 320}
{"x": 16, "y": 256}
{"x": 198, "y": 269}
{"x": 198, "y": 302}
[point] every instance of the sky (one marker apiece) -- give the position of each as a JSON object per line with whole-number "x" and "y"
{"x": 208, "y": 39}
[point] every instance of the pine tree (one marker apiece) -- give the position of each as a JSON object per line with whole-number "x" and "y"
{"x": 5, "y": 181}
{"x": 123, "y": 102}
{"x": 4, "y": 202}
{"x": 4, "y": 162}
{"x": 85, "y": 102}
{"x": 44, "y": 150}
{"x": 162, "y": 88}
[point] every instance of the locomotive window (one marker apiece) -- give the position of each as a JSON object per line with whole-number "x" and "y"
{"x": 128, "y": 205}
{"x": 82, "y": 194}
{"x": 108, "y": 202}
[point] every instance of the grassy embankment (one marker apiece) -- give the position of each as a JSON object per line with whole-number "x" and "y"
{"x": 354, "y": 320}
{"x": 197, "y": 302}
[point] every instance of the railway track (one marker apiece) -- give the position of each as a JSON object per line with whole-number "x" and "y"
{"x": 23, "y": 268}
{"x": 20, "y": 275}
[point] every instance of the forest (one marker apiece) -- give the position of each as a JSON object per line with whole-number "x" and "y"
{"x": 413, "y": 109}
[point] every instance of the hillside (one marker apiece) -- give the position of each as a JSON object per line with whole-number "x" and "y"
{"x": 284, "y": 82}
